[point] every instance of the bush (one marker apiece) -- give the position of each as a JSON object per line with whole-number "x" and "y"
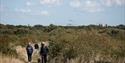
{"x": 5, "y": 47}
{"x": 22, "y": 31}
{"x": 55, "y": 49}
{"x": 70, "y": 53}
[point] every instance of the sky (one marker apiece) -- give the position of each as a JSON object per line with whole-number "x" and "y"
{"x": 62, "y": 12}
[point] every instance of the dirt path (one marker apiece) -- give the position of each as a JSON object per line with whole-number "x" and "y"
{"x": 22, "y": 54}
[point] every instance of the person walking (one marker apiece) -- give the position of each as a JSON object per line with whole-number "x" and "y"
{"x": 29, "y": 50}
{"x": 43, "y": 52}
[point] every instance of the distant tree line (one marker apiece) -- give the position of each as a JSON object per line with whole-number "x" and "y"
{"x": 52, "y": 26}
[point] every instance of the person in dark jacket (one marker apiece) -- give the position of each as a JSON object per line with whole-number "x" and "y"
{"x": 29, "y": 50}
{"x": 43, "y": 52}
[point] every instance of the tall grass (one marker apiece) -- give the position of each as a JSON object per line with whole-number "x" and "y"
{"x": 8, "y": 59}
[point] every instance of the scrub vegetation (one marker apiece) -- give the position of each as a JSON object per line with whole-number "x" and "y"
{"x": 67, "y": 44}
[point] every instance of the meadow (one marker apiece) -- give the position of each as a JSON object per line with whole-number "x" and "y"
{"x": 67, "y": 44}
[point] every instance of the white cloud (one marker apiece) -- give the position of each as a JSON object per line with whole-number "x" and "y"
{"x": 44, "y": 13}
{"x": 92, "y": 6}
{"x": 75, "y": 3}
{"x": 120, "y": 2}
{"x": 87, "y": 5}
{"x": 22, "y": 10}
{"x": 95, "y": 5}
{"x": 51, "y": 2}
{"x": 28, "y": 3}
{"x": 110, "y": 3}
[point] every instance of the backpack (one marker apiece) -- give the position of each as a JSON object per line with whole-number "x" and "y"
{"x": 36, "y": 46}
{"x": 43, "y": 50}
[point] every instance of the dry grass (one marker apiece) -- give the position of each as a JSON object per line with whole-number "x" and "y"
{"x": 21, "y": 51}
{"x": 4, "y": 59}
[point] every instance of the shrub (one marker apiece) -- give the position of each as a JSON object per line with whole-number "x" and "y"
{"x": 55, "y": 49}
{"x": 5, "y": 47}
{"x": 70, "y": 53}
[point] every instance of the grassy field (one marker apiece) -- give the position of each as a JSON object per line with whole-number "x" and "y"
{"x": 67, "y": 44}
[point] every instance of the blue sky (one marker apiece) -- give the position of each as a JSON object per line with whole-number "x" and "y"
{"x": 62, "y": 12}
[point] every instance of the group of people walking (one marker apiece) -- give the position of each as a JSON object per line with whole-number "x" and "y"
{"x": 43, "y": 52}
